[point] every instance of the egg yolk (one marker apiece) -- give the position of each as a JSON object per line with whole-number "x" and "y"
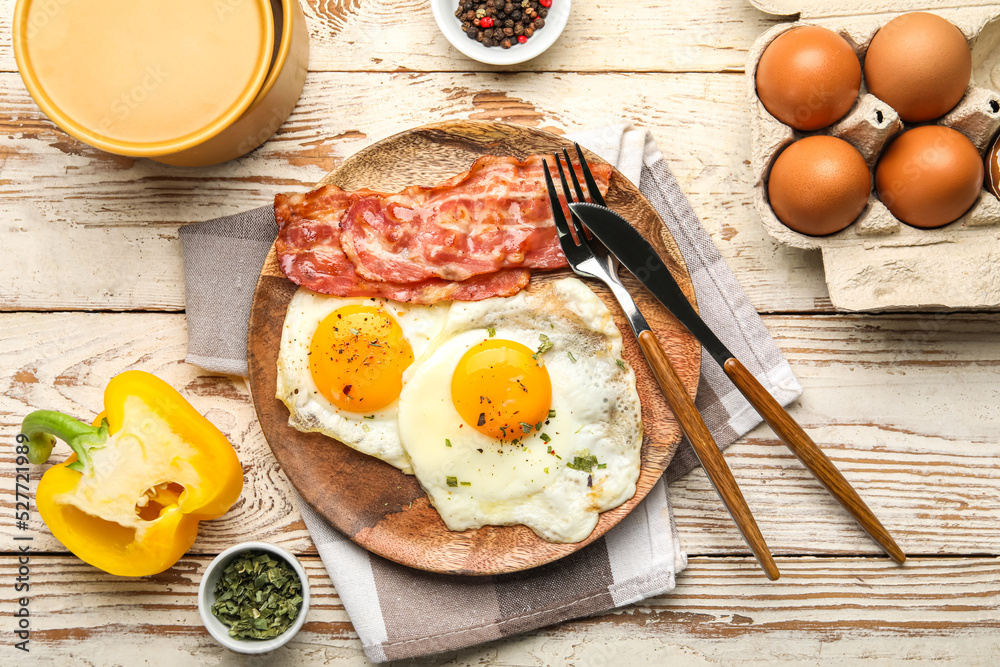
{"x": 501, "y": 390}
{"x": 357, "y": 357}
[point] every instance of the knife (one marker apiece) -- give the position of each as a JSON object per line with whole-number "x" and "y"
{"x": 639, "y": 257}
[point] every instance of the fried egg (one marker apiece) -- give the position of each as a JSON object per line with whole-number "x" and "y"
{"x": 522, "y": 411}
{"x": 341, "y": 363}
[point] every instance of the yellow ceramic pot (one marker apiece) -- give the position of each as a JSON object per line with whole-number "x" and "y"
{"x": 186, "y": 82}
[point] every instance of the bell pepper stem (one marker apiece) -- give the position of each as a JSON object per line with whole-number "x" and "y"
{"x": 42, "y": 427}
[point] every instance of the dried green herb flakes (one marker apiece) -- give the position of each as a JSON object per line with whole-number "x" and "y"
{"x": 585, "y": 462}
{"x": 258, "y": 596}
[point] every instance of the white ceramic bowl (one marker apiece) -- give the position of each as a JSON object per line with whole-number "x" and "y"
{"x": 444, "y": 14}
{"x": 206, "y": 598}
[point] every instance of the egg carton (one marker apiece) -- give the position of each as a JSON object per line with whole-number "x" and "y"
{"x": 878, "y": 262}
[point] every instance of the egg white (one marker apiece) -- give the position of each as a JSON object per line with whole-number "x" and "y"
{"x": 373, "y": 433}
{"x": 596, "y": 412}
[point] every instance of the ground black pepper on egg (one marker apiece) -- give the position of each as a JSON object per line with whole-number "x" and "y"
{"x": 507, "y": 22}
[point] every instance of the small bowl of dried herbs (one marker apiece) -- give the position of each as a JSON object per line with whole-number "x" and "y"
{"x": 253, "y": 597}
{"x": 501, "y": 32}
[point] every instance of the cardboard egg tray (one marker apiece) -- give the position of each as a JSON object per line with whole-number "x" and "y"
{"x": 879, "y": 262}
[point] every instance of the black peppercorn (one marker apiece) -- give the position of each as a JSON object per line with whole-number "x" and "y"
{"x": 510, "y": 21}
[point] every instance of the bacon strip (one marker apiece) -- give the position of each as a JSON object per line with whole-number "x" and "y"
{"x": 495, "y": 216}
{"x": 309, "y": 253}
{"x": 472, "y": 237}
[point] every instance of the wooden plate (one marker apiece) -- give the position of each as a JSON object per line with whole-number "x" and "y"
{"x": 373, "y": 503}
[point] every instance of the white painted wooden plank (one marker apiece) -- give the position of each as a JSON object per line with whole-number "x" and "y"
{"x": 833, "y": 611}
{"x": 905, "y": 405}
{"x": 393, "y": 35}
{"x": 87, "y": 230}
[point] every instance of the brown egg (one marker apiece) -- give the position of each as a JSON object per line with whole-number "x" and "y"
{"x": 819, "y": 185}
{"x": 992, "y": 164}
{"x": 808, "y": 77}
{"x": 920, "y": 65}
{"x": 929, "y": 176}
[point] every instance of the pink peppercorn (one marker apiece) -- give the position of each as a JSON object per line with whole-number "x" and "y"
{"x": 545, "y": 3}
{"x": 487, "y": 22}
{"x": 522, "y": 39}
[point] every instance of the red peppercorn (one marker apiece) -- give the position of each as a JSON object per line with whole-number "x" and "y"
{"x": 545, "y": 3}
{"x": 521, "y": 38}
{"x": 487, "y": 22}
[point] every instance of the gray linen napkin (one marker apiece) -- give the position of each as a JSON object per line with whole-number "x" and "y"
{"x": 637, "y": 559}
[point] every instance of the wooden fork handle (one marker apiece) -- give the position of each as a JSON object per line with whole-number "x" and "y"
{"x": 708, "y": 453}
{"x": 811, "y": 455}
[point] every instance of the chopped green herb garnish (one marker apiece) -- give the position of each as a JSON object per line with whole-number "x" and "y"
{"x": 355, "y": 332}
{"x": 552, "y": 414}
{"x": 544, "y": 437}
{"x": 525, "y": 427}
{"x": 585, "y": 462}
{"x": 258, "y": 596}
{"x": 451, "y": 481}
{"x": 466, "y": 483}
{"x": 492, "y": 332}
{"x": 621, "y": 364}
{"x": 546, "y": 471}
{"x": 447, "y": 442}
{"x": 543, "y": 347}
{"x": 571, "y": 357}
{"x": 602, "y": 466}
{"x": 538, "y": 426}
{"x": 369, "y": 416}
{"x": 548, "y": 448}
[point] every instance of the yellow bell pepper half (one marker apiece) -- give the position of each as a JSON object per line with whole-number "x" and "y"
{"x": 142, "y": 477}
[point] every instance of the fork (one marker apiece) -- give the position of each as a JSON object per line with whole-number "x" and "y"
{"x": 588, "y": 257}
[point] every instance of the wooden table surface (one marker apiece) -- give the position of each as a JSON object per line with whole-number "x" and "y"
{"x": 907, "y": 405}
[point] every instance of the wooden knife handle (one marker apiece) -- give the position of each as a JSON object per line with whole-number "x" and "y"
{"x": 811, "y": 455}
{"x": 708, "y": 452}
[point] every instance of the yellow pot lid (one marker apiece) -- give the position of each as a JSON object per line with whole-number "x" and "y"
{"x": 143, "y": 77}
